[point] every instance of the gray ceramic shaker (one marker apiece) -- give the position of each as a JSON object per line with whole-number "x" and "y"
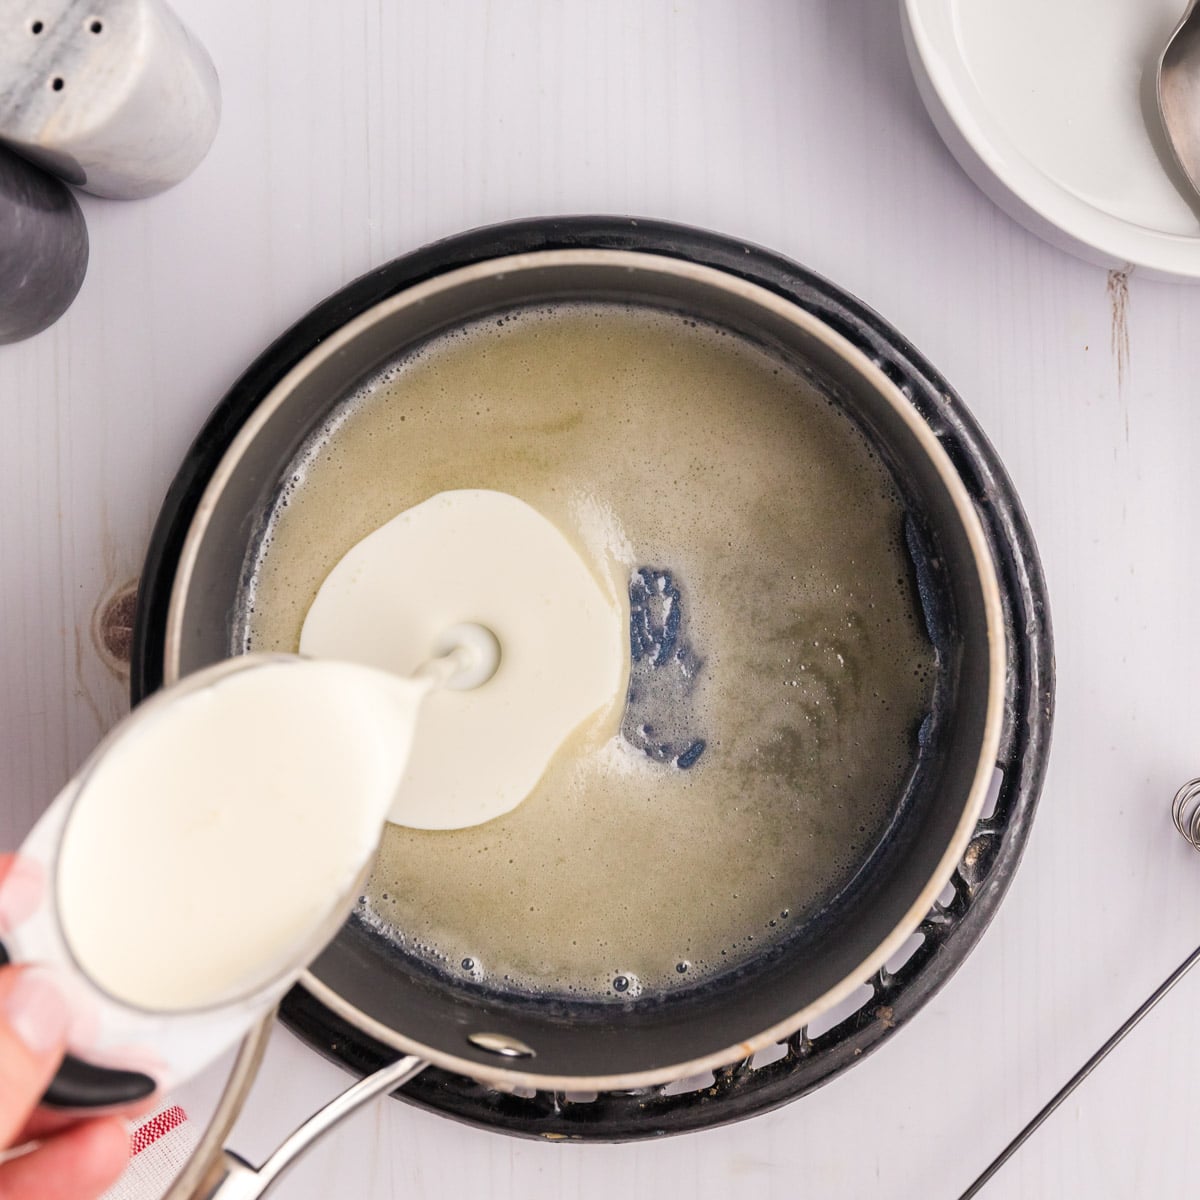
{"x": 43, "y": 248}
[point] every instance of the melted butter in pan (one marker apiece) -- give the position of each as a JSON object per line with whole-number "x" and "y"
{"x": 661, "y": 448}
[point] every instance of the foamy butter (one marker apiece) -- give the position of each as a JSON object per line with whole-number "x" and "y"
{"x": 655, "y": 442}
{"x": 488, "y": 558}
{"x": 216, "y": 835}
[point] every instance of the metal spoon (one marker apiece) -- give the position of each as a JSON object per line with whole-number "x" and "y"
{"x": 1178, "y": 89}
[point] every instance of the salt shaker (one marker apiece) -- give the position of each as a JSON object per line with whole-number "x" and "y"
{"x": 114, "y": 96}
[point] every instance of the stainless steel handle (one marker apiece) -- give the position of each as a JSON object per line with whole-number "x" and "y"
{"x": 232, "y": 1178}
{"x": 214, "y": 1173}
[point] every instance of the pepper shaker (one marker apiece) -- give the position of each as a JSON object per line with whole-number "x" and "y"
{"x": 43, "y": 248}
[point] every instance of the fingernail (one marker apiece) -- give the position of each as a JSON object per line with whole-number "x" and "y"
{"x": 20, "y": 893}
{"x": 37, "y": 1012}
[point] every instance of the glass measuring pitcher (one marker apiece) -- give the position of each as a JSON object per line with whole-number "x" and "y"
{"x": 121, "y": 1047}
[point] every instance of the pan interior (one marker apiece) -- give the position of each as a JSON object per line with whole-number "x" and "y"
{"x": 854, "y": 875}
{"x": 720, "y": 490}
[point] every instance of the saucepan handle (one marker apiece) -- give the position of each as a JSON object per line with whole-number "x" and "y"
{"x": 230, "y": 1177}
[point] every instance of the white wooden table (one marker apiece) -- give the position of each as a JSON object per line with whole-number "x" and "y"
{"x": 355, "y": 131}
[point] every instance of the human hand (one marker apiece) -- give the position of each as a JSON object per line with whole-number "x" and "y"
{"x": 59, "y": 1156}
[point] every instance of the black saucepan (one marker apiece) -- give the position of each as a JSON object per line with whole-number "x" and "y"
{"x": 372, "y": 992}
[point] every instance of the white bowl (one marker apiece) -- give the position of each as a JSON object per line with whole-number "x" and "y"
{"x": 1048, "y": 106}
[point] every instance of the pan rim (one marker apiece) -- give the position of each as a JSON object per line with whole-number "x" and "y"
{"x": 508, "y": 1077}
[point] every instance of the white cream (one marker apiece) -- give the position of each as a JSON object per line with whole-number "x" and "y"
{"x": 219, "y": 834}
{"x": 489, "y": 558}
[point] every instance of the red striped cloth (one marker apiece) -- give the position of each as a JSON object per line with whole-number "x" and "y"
{"x": 159, "y": 1145}
{"x": 158, "y": 1125}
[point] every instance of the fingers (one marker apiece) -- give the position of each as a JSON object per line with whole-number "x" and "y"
{"x": 33, "y": 1033}
{"x": 78, "y": 1164}
{"x": 75, "y": 1160}
{"x": 48, "y": 1121}
{"x": 21, "y": 885}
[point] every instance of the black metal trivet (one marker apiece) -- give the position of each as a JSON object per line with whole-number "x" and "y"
{"x": 981, "y": 879}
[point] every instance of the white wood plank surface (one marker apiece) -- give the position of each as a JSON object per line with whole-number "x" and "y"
{"x": 355, "y": 131}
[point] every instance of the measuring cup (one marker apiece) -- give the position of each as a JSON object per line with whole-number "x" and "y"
{"x": 119, "y": 1052}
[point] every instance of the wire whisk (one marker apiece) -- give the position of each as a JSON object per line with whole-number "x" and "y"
{"x": 1185, "y": 811}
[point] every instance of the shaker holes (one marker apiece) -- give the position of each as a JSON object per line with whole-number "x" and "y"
{"x": 95, "y": 26}
{"x": 36, "y": 27}
{"x": 57, "y": 85}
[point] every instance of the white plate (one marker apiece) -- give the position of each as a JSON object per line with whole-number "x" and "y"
{"x": 1048, "y": 107}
